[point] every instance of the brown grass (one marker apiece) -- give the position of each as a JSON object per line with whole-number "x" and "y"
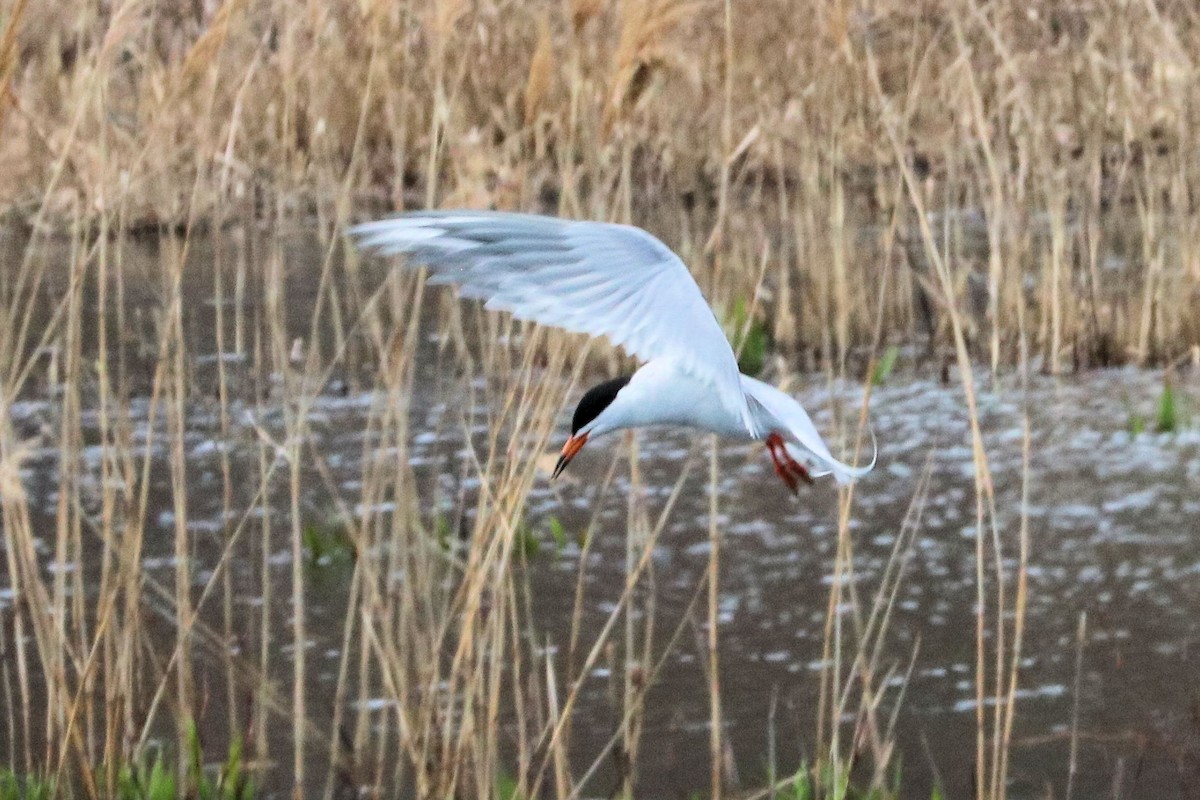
{"x": 1008, "y": 184}
{"x": 1068, "y": 127}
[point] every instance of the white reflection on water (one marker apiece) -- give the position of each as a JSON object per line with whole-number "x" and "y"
{"x": 1115, "y": 523}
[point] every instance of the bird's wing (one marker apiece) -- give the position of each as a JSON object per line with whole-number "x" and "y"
{"x": 779, "y": 412}
{"x": 597, "y": 278}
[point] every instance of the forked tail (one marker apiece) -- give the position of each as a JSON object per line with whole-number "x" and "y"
{"x": 776, "y": 411}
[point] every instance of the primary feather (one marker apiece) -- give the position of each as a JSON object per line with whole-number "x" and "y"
{"x": 598, "y": 278}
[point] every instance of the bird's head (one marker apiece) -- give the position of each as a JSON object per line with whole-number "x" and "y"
{"x": 587, "y": 419}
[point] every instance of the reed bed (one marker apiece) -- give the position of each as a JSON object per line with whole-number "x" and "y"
{"x": 445, "y": 683}
{"x": 1051, "y": 143}
{"x": 1002, "y": 184}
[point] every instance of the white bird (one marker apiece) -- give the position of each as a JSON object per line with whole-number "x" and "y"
{"x": 617, "y": 281}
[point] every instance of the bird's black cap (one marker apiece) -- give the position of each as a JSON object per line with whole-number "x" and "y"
{"x": 594, "y": 401}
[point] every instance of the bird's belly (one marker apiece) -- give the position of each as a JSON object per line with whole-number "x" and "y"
{"x": 712, "y": 418}
{"x": 685, "y": 401}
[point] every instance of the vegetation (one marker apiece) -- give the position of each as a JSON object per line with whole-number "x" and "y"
{"x": 1168, "y": 417}
{"x": 1050, "y": 149}
{"x": 750, "y": 339}
{"x": 885, "y": 365}
{"x": 998, "y": 184}
{"x": 1170, "y": 413}
{"x": 145, "y": 779}
{"x": 326, "y": 544}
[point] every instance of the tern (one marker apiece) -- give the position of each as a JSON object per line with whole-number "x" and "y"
{"x": 618, "y": 281}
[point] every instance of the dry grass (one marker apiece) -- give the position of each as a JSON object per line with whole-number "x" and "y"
{"x": 1051, "y": 143}
{"x": 1011, "y": 183}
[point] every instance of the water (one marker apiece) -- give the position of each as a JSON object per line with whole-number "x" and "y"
{"x": 1113, "y": 521}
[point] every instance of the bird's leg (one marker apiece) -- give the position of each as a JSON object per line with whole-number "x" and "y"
{"x": 787, "y": 468}
{"x": 797, "y": 469}
{"x": 778, "y": 455}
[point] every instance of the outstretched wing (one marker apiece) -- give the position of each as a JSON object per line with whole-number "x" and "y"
{"x": 597, "y": 278}
{"x": 779, "y": 412}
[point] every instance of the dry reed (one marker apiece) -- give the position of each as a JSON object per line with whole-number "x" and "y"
{"x": 1005, "y": 186}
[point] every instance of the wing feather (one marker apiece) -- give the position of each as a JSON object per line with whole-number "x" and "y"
{"x": 597, "y": 278}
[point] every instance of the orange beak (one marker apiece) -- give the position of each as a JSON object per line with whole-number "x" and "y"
{"x": 573, "y": 446}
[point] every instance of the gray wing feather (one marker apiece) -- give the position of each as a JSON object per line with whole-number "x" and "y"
{"x": 598, "y": 278}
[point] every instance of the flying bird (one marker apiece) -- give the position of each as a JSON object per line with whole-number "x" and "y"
{"x": 617, "y": 281}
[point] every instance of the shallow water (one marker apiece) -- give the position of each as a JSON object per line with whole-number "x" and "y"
{"x": 1115, "y": 529}
{"x": 1114, "y": 521}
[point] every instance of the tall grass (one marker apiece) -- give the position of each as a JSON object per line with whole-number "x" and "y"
{"x": 1011, "y": 187}
{"x": 1052, "y": 145}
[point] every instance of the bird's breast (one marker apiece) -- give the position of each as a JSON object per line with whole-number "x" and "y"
{"x": 664, "y": 396}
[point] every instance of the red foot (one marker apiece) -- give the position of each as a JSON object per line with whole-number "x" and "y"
{"x": 789, "y": 470}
